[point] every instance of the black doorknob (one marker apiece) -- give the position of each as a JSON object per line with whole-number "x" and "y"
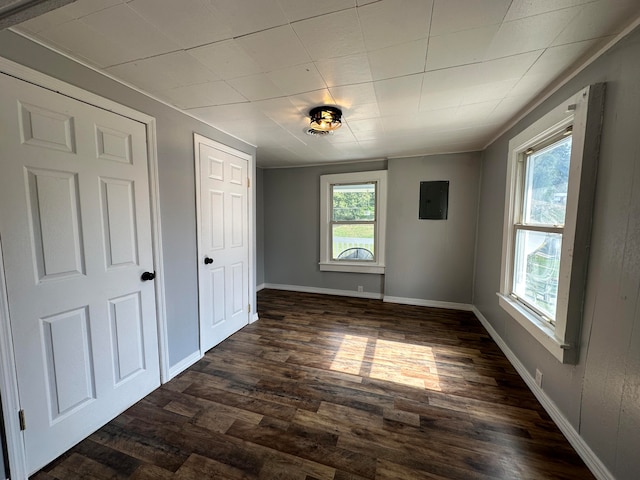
{"x": 208, "y": 261}
{"x": 148, "y": 276}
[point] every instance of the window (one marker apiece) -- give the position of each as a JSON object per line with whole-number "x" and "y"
{"x": 352, "y": 216}
{"x": 549, "y": 198}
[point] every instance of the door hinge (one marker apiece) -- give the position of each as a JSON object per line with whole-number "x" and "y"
{"x": 248, "y": 182}
{"x": 249, "y": 308}
{"x": 23, "y": 422}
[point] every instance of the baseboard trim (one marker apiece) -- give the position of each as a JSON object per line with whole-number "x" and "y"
{"x": 592, "y": 461}
{"x": 260, "y": 287}
{"x": 323, "y": 291}
{"x": 428, "y": 303}
{"x": 254, "y": 318}
{"x": 182, "y": 365}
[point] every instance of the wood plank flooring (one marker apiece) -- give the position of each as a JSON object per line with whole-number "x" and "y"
{"x": 331, "y": 388}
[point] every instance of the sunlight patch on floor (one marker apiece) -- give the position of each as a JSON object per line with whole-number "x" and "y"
{"x": 393, "y": 361}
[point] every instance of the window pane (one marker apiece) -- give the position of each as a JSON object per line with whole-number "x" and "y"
{"x": 537, "y": 266}
{"x": 547, "y": 178}
{"x": 354, "y": 202}
{"x": 353, "y": 242}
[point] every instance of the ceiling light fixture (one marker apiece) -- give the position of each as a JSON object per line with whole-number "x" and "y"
{"x": 324, "y": 120}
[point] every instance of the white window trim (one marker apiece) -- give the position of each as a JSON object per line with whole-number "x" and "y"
{"x": 326, "y": 262}
{"x": 584, "y": 111}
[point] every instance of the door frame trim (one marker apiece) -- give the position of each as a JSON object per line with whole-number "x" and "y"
{"x": 252, "y": 316}
{"x": 8, "y": 378}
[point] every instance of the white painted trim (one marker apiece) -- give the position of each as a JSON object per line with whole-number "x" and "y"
{"x": 254, "y": 318}
{"x": 260, "y": 287}
{"x": 428, "y": 303}
{"x": 380, "y": 177}
{"x": 592, "y": 461}
{"x": 323, "y": 291}
{"x": 9, "y": 384}
{"x": 183, "y": 364}
{"x": 251, "y": 216}
{"x": 158, "y": 258}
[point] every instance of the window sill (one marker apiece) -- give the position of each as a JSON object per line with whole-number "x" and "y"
{"x": 351, "y": 267}
{"x": 542, "y": 331}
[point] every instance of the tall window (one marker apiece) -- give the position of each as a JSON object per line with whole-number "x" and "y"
{"x": 543, "y": 182}
{"x": 547, "y": 225}
{"x": 353, "y": 207}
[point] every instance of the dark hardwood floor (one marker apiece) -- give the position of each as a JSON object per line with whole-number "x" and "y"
{"x": 336, "y": 388}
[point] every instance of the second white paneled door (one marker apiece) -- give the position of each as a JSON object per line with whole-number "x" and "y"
{"x": 75, "y": 228}
{"x": 223, "y": 240}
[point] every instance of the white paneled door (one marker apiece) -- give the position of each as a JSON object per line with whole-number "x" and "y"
{"x": 76, "y": 235}
{"x": 223, "y": 243}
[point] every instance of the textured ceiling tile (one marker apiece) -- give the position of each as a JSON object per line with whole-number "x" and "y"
{"x": 212, "y": 93}
{"x": 456, "y": 15}
{"x": 529, "y": 33}
{"x": 528, "y": 8}
{"x": 255, "y": 87}
{"x": 300, "y": 9}
{"x": 248, "y": 16}
{"x": 365, "y": 111}
{"x": 306, "y": 101}
{"x": 49, "y": 20}
{"x": 123, "y": 27}
{"x": 189, "y": 23}
{"x": 85, "y": 42}
{"x": 399, "y": 60}
{"x": 297, "y": 79}
{"x": 399, "y": 95}
{"x": 227, "y": 58}
{"x": 275, "y": 48}
{"x": 164, "y": 72}
{"x": 349, "y": 95}
{"x": 345, "y": 70}
{"x": 391, "y": 22}
{"x": 332, "y": 35}
{"x": 85, "y": 7}
{"x": 599, "y": 19}
{"x": 460, "y": 48}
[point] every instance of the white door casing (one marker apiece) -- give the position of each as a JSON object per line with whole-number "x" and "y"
{"x": 76, "y": 237}
{"x": 223, "y": 240}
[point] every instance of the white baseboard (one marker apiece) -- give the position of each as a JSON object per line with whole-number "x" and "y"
{"x": 592, "y": 461}
{"x": 428, "y": 303}
{"x": 260, "y": 287}
{"x": 254, "y": 318}
{"x": 182, "y": 365}
{"x": 324, "y": 291}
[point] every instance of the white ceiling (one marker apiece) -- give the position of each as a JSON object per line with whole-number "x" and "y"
{"x": 411, "y": 76}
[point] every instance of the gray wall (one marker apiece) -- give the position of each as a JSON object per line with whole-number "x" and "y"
{"x": 425, "y": 259}
{"x": 432, "y": 259}
{"x": 292, "y": 229}
{"x": 600, "y": 395}
{"x": 176, "y": 174}
{"x": 259, "y": 226}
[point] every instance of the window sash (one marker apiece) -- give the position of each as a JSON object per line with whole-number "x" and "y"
{"x": 522, "y": 300}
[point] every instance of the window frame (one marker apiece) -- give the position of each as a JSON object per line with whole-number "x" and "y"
{"x": 551, "y": 137}
{"x": 327, "y": 263}
{"x": 583, "y": 111}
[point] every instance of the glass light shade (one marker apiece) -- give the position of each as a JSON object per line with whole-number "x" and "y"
{"x": 325, "y": 119}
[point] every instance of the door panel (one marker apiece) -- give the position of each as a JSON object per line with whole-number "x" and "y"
{"x": 223, "y": 240}
{"x": 76, "y": 232}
